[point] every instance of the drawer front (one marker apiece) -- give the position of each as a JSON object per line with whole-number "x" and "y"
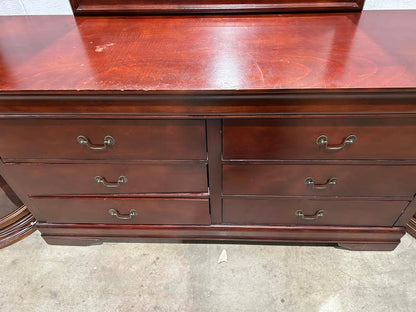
{"x": 60, "y": 179}
{"x": 132, "y": 139}
{"x": 339, "y": 180}
{"x": 145, "y": 211}
{"x": 283, "y": 211}
{"x": 376, "y": 138}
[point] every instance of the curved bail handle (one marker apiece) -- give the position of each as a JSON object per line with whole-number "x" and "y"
{"x": 320, "y": 213}
{"x": 115, "y": 213}
{"x": 322, "y": 141}
{"x": 332, "y": 181}
{"x": 108, "y": 142}
{"x": 121, "y": 180}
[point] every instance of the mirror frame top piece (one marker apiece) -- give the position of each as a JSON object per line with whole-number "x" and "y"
{"x": 149, "y": 7}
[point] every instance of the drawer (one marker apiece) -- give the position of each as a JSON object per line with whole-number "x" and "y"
{"x": 132, "y": 139}
{"x": 376, "y": 138}
{"x": 339, "y": 212}
{"x": 145, "y": 210}
{"x": 339, "y": 180}
{"x": 115, "y": 178}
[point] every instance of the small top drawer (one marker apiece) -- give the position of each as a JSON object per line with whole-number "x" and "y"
{"x": 89, "y": 139}
{"x": 320, "y": 138}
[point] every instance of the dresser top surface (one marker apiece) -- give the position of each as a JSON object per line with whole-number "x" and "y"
{"x": 371, "y": 50}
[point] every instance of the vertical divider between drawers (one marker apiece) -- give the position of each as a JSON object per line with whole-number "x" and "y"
{"x": 214, "y": 144}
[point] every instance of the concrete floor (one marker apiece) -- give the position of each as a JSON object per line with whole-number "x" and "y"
{"x": 187, "y": 277}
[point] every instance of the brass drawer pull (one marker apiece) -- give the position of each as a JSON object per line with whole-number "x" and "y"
{"x": 322, "y": 142}
{"x": 318, "y": 214}
{"x": 116, "y": 214}
{"x": 108, "y": 141}
{"x": 331, "y": 181}
{"x": 121, "y": 180}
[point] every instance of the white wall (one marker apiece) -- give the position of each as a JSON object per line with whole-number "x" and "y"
{"x": 22, "y": 7}
{"x": 388, "y": 4}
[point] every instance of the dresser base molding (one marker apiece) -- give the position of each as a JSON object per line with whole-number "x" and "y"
{"x": 354, "y": 238}
{"x": 369, "y": 246}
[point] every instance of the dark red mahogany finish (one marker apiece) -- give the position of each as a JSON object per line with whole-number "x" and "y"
{"x": 283, "y": 54}
{"x": 16, "y": 222}
{"x": 105, "y": 7}
{"x": 411, "y": 226}
{"x": 222, "y": 114}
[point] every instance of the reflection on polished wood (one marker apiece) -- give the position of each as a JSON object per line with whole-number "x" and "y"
{"x": 264, "y": 52}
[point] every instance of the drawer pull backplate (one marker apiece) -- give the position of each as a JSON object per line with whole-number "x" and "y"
{"x": 331, "y": 181}
{"x": 108, "y": 141}
{"x": 322, "y": 142}
{"x": 116, "y": 214}
{"x": 121, "y": 180}
{"x": 318, "y": 214}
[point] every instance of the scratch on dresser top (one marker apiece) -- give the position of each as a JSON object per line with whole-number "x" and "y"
{"x": 261, "y": 71}
{"x": 101, "y": 48}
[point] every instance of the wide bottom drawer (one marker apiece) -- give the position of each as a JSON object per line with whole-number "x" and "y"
{"x": 302, "y": 211}
{"x": 121, "y": 211}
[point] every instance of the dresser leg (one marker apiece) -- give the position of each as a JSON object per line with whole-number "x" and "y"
{"x": 71, "y": 241}
{"x": 369, "y": 246}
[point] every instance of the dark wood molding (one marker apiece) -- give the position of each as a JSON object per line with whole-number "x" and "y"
{"x": 84, "y": 234}
{"x": 138, "y": 7}
{"x": 16, "y": 226}
{"x": 369, "y": 247}
{"x": 18, "y": 222}
{"x": 11, "y": 195}
{"x": 289, "y": 104}
{"x": 411, "y": 226}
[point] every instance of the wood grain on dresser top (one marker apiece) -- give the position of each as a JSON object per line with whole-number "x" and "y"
{"x": 370, "y": 50}
{"x": 326, "y": 74}
{"x": 278, "y": 64}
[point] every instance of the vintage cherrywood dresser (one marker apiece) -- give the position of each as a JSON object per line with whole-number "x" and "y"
{"x": 268, "y": 128}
